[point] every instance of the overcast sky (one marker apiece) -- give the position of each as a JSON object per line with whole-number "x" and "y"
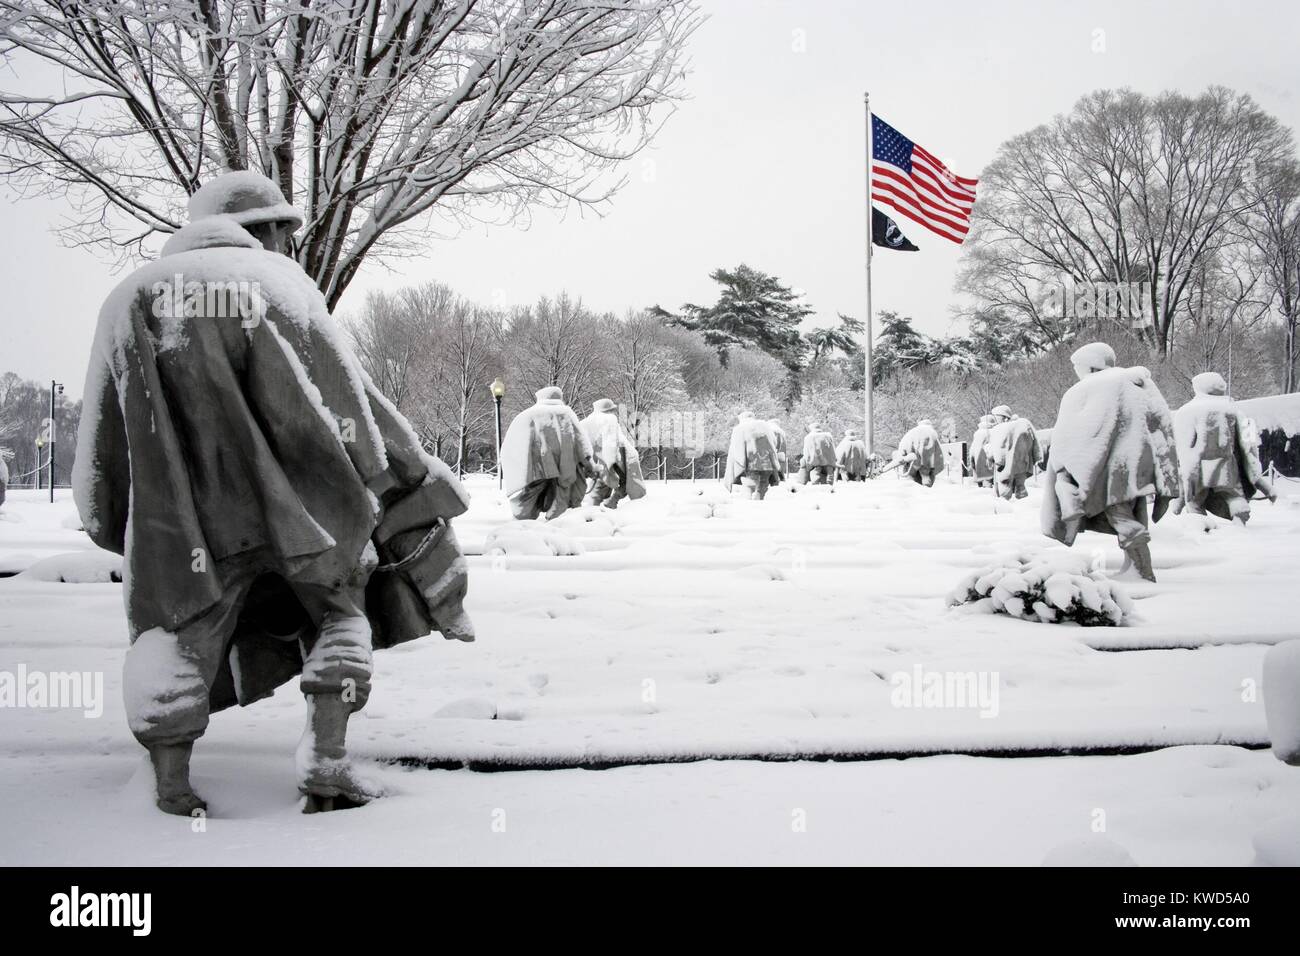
{"x": 764, "y": 164}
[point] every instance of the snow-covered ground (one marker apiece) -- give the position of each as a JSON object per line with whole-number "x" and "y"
{"x": 697, "y": 624}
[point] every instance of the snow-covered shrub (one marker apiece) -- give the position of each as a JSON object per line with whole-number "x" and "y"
{"x": 587, "y": 522}
{"x": 532, "y": 538}
{"x": 1052, "y": 587}
{"x": 79, "y": 567}
{"x": 699, "y": 508}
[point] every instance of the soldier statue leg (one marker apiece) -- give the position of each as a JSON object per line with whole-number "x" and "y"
{"x": 167, "y": 681}
{"x": 1129, "y": 523}
{"x": 1237, "y": 505}
{"x": 336, "y": 682}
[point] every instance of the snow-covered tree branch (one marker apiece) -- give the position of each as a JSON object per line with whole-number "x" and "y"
{"x": 381, "y": 119}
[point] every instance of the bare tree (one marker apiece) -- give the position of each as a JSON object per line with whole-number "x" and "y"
{"x": 1124, "y": 190}
{"x": 468, "y": 353}
{"x": 644, "y": 367}
{"x": 556, "y": 342}
{"x": 1275, "y": 228}
{"x": 1227, "y": 299}
{"x": 370, "y": 114}
{"x": 394, "y": 334}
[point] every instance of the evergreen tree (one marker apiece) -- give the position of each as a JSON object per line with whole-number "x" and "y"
{"x": 753, "y": 309}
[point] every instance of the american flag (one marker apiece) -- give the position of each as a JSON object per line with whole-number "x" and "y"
{"x": 912, "y": 181}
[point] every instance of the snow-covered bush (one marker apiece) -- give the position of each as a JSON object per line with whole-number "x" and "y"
{"x": 587, "y": 522}
{"x": 1052, "y": 587}
{"x": 79, "y": 567}
{"x": 530, "y": 538}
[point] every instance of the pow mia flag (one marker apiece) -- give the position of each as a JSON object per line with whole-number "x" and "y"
{"x": 885, "y": 232}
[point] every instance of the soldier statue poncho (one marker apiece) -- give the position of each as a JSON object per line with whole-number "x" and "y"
{"x": 546, "y": 458}
{"x": 981, "y": 464}
{"x": 922, "y": 453}
{"x": 1112, "y": 451}
{"x": 851, "y": 457}
{"x": 277, "y": 515}
{"x": 752, "y": 458}
{"x": 614, "y": 451}
{"x": 1012, "y": 448}
{"x": 1219, "y": 464}
{"x": 818, "y": 464}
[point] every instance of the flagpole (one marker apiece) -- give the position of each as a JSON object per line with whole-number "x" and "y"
{"x": 870, "y": 429}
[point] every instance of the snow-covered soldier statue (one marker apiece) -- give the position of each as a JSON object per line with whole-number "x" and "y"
{"x": 851, "y": 457}
{"x": 616, "y": 454}
{"x": 1218, "y": 463}
{"x": 981, "y": 464}
{"x": 1013, "y": 448}
{"x": 546, "y": 458}
{"x": 818, "y": 456}
{"x": 1044, "y": 436}
{"x": 782, "y": 444}
{"x": 234, "y": 451}
{"x": 1112, "y": 449}
{"x": 922, "y": 453}
{"x": 752, "y": 458}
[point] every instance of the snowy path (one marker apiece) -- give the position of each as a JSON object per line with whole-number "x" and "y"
{"x": 1184, "y": 806}
{"x": 697, "y": 624}
{"x": 770, "y": 627}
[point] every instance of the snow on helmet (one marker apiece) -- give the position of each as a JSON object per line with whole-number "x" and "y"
{"x": 245, "y": 196}
{"x": 549, "y": 393}
{"x": 1209, "y": 383}
{"x": 603, "y": 405}
{"x": 1094, "y": 355}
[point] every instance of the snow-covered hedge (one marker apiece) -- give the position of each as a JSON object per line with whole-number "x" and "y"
{"x": 531, "y": 538}
{"x": 79, "y": 567}
{"x": 1052, "y": 587}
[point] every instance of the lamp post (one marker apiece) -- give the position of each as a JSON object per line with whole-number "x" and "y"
{"x": 498, "y": 388}
{"x": 56, "y": 388}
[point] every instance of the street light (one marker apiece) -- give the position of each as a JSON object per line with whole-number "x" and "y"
{"x": 40, "y": 449}
{"x": 498, "y": 388}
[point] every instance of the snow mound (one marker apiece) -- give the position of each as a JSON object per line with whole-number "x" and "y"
{"x": 1273, "y": 412}
{"x": 1051, "y": 587}
{"x": 1277, "y": 843}
{"x": 588, "y": 522}
{"x": 79, "y": 567}
{"x": 698, "y": 508}
{"x": 72, "y": 522}
{"x": 1282, "y": 700}
{"x": 530, "y": 538}
{"x": 1089, "y": 851}
{"x": 762, "y": 572}
{"x": 469, "y": 708}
